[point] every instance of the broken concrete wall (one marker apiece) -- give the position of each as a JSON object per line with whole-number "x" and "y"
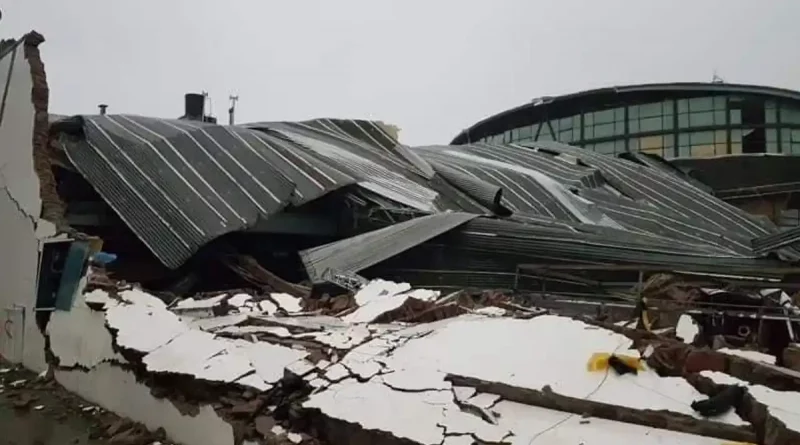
{"x": 21, "y": 76}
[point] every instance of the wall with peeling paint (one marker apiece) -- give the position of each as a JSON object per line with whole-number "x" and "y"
{"x": 20, "y": 207}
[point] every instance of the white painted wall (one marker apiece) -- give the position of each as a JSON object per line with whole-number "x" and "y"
{"x": 20, "y": 207}
{"x": 117, "y": 390}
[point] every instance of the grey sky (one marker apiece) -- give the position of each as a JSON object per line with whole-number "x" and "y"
{"x": 432, "y": 67}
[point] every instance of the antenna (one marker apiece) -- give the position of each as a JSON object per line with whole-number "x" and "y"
{"x": 207, "y": 98}
{"x": 232, "y": 109}
{"x": 715, "y": 78}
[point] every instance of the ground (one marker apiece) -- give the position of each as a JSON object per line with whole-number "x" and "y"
{"x": 36, "y": 411}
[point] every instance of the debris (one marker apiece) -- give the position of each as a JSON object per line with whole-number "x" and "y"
{"x": 728, "y": 399}
{"x": 621, "y": 366}
{"x": 601, "y": 361}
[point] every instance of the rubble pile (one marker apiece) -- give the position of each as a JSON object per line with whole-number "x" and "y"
{"x": 398, "y": 365}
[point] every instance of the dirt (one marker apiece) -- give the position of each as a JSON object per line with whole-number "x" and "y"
{"x": 35, "y": 410}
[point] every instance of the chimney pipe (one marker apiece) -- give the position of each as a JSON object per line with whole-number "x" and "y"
{"x": 103, "y": 108}
{"x": 194, "y": 106}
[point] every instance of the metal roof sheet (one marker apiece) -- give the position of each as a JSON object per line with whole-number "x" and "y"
{"x": 179, "y": 184}
{"x": 360, "y": 252}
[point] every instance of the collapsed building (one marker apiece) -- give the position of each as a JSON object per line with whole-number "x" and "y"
{"x": 304, "y": 217}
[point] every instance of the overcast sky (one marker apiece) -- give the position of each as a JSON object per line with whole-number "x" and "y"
{"x": 432, "y": 67}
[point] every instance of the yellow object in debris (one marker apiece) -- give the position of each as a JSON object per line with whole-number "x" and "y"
{"x": 599, "y": 361}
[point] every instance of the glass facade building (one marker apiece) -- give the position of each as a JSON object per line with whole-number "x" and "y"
{"x": 670, "y": 120}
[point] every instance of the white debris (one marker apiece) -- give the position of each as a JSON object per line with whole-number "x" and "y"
{"x": 242, "y": 330}
{"x": 143, "y": 328}
{"x": 17, "y": 383}
{"x": 484, "y": 400}
{"x": 193, "y": 304}
{"x": 38, "y": 407}
{"x": 378, "y": 305}
{"x": 267, "y": 307}
{"x": 287, "y": 302}
{"x": 379, "y": 289}
{"x": 142, "y": 298}
{"x": 687, "y": 328}
{"x": 750, "y": 355}
{"x": 336, "y": 372}
{"x": 294, "y": 437}
{"x": 99, "y": 297}
{"x": 214, "y": 323}
{"x": 491, "y": 311}
{"x": 239, "y": 300}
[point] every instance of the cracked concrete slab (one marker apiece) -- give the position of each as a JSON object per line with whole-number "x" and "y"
{"x": 320, "y": 378}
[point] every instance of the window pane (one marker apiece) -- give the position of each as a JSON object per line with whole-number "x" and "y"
{"x": 525, "y": 133}
{"x": 565, "y": 124}
{"x": 602, "y": 117}
{"x": 719, "y": 117}
{"x": 633, "y": 127}
{"x": 771, "y": 115}
{"x": 790, "y": 115}
{"x": 701, "y": 137}
{"x": 619, "y": 128}
{"x": 720, "y": 102}
{"x": 683, "y": 106}
{"x": 650, "y": 110}
{"x": 588, "y": 133}
{"x": 588, "y": 119}
{"x": 604, "y": 130}
{"x": 619, "y": 114}
{"x": 772, "y": 135}
{"x": 683, "y": 121}
{"x": 650, "y": 124}
{"x": 701, "y": 104}
{"x": 633, "y": 112}
{"x": 701, "y": 119}
{"x": 544, "y": 133}
{"x": 736, "y": 117}
{"x": 702, "y": 151}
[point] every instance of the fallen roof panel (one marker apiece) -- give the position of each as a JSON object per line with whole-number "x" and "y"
{"x": 355, "y": 254}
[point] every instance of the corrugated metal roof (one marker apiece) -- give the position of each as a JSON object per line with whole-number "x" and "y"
{"x": 576, "y": 206}
{"x": 360, "y": 252}
{"x": 179, "y": 184}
